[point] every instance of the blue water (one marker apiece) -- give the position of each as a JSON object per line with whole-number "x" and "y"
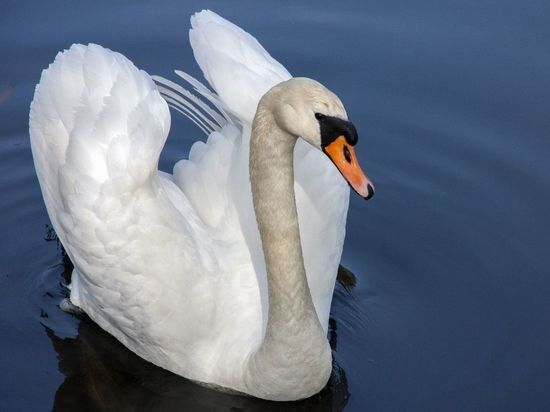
{"x": 445, "y": 305}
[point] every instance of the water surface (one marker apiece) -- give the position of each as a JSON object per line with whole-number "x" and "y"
{"x": 445, "y": 304}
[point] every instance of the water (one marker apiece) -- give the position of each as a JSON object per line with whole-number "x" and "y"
{"x": 446, "y": 302}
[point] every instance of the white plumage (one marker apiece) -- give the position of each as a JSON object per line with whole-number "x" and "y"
{"x": 172, "y": 265}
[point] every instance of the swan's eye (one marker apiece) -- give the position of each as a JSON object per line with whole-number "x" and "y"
{"x": 319, "y": 116}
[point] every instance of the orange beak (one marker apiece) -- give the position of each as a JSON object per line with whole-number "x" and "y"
{"x": 342, "y": 155}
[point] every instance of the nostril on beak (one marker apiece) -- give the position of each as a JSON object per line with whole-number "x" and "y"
{"x": 371, "y": 192}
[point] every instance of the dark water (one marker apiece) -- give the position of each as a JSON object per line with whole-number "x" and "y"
{"x": 447, "y": 302}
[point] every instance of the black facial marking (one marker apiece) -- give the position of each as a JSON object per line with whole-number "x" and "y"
{"x": 347, "y": 154}
{"x": 333, "y": 127}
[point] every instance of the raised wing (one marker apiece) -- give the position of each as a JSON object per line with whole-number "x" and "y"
{"x": 97, "y": 127}
{"x": 234, "y": 63}
{"x": 215, "y": 177}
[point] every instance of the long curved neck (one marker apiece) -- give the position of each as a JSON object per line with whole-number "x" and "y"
{"x": 272, "y": 180}
{"x": 294, "y": 345}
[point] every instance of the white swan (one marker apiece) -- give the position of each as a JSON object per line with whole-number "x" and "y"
{"x": 174, "y": 266}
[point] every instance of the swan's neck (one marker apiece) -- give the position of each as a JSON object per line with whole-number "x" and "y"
{"x": 294, "y": 351}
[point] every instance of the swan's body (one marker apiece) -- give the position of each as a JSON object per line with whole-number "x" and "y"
{"x": 174, "y": 266}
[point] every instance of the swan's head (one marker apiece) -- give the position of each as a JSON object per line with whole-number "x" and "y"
{"x": 307, "y": 109}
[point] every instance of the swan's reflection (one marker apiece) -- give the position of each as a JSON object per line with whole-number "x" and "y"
{"x": 102, "y": 375}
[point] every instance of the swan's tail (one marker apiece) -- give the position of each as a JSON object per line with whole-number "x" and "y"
{"x": 97, "y": 126}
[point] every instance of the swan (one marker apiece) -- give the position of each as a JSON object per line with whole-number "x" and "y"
{"x": 222, "y": 272}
